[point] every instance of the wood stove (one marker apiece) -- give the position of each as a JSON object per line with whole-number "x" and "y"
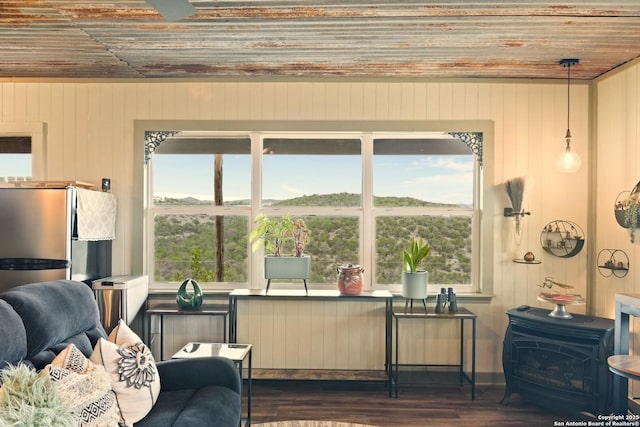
{"x": 560, "y": 364}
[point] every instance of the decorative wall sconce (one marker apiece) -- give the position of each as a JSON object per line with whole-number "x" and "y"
{"x": 515, "y": 191}
{"x": 568, "y": 161}
{"x": 517, "y": 223}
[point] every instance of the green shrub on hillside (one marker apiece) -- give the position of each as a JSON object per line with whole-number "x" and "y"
{"x": 185, "y": 244}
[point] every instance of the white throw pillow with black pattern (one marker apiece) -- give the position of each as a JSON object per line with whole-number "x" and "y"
{"x": 84, "y": 387}
{"x": 134, "y": 376}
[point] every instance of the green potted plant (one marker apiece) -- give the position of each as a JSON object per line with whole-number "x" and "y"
{"x": 275, "y": 235}
{"x": 414, "y": 281}
{"x": 627, "y": 211}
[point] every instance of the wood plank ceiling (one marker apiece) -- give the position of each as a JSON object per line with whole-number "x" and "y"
{"x": 319, "y": 38}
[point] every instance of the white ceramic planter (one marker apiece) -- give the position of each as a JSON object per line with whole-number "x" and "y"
{"x": 287, "y": 267}
{"x": 414, "y": 285}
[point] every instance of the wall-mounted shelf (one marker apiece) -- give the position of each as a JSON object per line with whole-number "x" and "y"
{"x": 528, "y": 258}
{"x": 524, "y": 261}
{"x": 564, "y": 239}
{"x": 613, "y": 262}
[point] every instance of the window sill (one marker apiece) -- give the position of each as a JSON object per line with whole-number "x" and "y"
{"x": 164, "y": 290}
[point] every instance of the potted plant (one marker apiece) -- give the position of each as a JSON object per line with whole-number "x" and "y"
{"x": 275, "y": 234}
{"x": 414, "y": 281}
{"x": 627, "y": 211}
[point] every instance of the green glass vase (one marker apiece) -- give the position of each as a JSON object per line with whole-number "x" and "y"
{"x": 189, "y": 300}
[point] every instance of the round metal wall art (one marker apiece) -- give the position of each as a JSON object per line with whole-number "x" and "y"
{"x": 562, "y": 238}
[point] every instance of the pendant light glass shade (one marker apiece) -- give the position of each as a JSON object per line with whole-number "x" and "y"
{"x": 568, "y": 161}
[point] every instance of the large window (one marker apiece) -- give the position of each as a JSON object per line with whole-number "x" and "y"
{"x": 320, "y": 179}
{"x": 200, "y": 184}
{"x": 424, "y": 188}
{"x": 362, "y": 195}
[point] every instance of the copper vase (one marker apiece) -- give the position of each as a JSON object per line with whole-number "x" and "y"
{"x": 350, "y": 279}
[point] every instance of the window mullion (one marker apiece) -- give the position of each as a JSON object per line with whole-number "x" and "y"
{"x": 367, "y": 220}
{"x": 149, "y": 221}
{"x": 256, "y": 265}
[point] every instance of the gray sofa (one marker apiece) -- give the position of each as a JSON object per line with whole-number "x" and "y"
{"x": 39, "y": 320}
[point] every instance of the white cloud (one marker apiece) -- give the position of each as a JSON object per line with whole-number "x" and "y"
{"x": 292, "y": 191}
{"x": 441, "y": 179}
{"x": 447, "y": 163}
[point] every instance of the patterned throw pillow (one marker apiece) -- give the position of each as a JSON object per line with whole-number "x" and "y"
{"x": 84, "y": 387}
{"x": 134, "y": 376}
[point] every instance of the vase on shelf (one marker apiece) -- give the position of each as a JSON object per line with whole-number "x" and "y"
{"x": 518, "y": 225}
{"x": 350, "y": 279}
{"x": 515, "y": 191}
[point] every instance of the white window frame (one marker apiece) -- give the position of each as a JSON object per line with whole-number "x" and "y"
{"x": 37, "y": 132}
{"x": 366, "y": 214}
{"x": 211, "y": 210}
{"x": 372, "y": 213}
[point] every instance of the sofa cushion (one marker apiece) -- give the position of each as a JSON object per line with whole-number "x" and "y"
{"x": 12, "y": 336}
{"x": 211, "y": 406}
{"x": 134, "y": 376}
{"x": 84, "y": 387}
{"x": 55, "y": 314}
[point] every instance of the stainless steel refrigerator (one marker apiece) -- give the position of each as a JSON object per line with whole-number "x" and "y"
{"x": 39, "y": 239}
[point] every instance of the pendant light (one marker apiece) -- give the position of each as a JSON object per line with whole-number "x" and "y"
{"x": 568, "y": 161}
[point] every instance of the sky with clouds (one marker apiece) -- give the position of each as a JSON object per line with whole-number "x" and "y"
{"x": 443, "y": 179}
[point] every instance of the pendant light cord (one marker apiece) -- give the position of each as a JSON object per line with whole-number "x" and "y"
{"x": 568, "y": 63}
{"x": 568, "y": 92}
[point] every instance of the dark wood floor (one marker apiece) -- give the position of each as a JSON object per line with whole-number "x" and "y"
{"x": 368, "y": 403}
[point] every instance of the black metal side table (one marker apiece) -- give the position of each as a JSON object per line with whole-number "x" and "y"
{"x": 165, "y": 309}
{"x": 316, "y": 295}
{"x": 461, "y": 315}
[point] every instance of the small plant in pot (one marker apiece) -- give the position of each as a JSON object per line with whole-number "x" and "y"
{"x": 631, "y": 218}
{"x": 414, "y": 281}
{"x": 275, "y": 235}
{"x": 627, "y": 211}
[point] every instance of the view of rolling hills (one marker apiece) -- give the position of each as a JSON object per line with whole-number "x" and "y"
{"x": 185, "y": 244}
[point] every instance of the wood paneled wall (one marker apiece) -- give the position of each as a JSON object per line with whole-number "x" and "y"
{"x": 314, "y": 335}
{"x": 618, "y": 170}
{"x": 89, "y": 135}
{"x": 618, "y": 155}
